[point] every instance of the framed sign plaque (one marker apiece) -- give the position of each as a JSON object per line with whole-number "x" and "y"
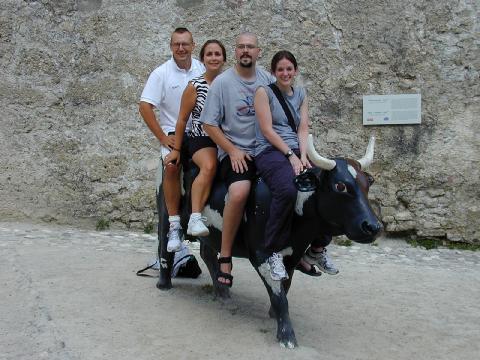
{"x": 392, "y": 109}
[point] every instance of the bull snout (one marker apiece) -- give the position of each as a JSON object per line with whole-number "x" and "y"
{"x": 370, "y": 230}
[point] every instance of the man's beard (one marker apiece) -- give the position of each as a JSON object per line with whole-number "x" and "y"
{"x": 246, "y": 65}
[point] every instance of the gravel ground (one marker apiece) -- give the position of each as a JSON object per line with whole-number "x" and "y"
{"x": 72, "y": 294}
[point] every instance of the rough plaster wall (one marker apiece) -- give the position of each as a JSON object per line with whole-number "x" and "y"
{"x": 74, "y": 149}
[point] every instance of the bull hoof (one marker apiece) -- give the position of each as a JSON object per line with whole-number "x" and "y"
{"x": 164, "y": 283}
{"x": 286, "y": 338}
{"x": 164, "y": 279}
{"x": 222, "y": 292}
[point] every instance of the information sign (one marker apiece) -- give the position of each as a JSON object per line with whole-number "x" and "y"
{"x": 392, "y": 109}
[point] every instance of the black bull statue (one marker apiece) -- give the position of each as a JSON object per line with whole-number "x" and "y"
{"x": 333, "y": 202}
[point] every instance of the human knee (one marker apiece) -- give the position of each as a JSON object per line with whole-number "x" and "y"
{"x": 237, "y": 198}
{"x": 171, "y": 171}
{"x": 209, "y": 168}
{"x": 238, "y": 195}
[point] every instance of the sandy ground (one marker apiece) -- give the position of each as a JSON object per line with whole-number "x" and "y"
{"x": 73, "y": 294}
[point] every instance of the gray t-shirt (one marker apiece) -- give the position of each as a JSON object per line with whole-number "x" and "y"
{"x": 279, "y": 119}
{"x": 229, "y": 105}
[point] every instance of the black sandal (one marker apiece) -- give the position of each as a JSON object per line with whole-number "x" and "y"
{"x": 313, "y": 271}
{"x": 221, "y": 274}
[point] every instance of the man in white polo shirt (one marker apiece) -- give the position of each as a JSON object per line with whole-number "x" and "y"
{"x": 163, "y": 90}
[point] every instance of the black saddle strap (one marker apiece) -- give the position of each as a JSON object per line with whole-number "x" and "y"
{"x": 285, "y": 107}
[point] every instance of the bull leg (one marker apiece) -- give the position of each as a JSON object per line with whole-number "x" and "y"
{"x": 286, "y": 286}
{"x": 209, "y": 256}
{"x": 165, "y": 258}
{"x": 279, "y": 306}
{"x": 286, "y": 283}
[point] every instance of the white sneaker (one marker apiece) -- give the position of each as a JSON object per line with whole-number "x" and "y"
{"x": 196, "y": 227}
{"x": 174, "y": 237}
{"x": 277, "y": 269}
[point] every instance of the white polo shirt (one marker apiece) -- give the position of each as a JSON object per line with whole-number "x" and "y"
{"x": 164, "y": 89}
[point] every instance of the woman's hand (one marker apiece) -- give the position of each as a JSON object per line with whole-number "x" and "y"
{"x": 296, "y": 164}
{"x": 173, "y": 157}
{"x": 306, "y": 164}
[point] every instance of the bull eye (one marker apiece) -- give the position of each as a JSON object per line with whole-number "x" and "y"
{"x": 341, "y": 187}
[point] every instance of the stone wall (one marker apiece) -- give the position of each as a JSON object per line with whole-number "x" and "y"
{"x": 75, "y": 150}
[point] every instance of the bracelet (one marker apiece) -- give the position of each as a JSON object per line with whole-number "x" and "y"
{"x": 288, "y": 153}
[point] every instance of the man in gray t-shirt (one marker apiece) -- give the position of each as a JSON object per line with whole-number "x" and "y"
{"x": 229, "y": 104}
{"x": 229, "y": 120}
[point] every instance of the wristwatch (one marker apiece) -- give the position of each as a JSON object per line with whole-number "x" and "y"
{"x": 289, "y": 153}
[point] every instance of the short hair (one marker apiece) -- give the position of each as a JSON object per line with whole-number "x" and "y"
{"x": 247, "y": 33}
{"x": 282, "y": 54}
{"x": 181, "y": 30}
{"x": 213, "y": 41}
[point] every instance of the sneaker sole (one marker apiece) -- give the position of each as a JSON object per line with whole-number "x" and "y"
{"x": 329, "y": 272}
{"x": 191, "y": 233}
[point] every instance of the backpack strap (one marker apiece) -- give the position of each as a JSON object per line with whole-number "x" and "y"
{"x": 285, "y": 107}
{"x": 150, "y": 266}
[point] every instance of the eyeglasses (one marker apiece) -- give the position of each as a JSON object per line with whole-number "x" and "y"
{"x": 177, "y": 45}
{"x": 245, "y": 47}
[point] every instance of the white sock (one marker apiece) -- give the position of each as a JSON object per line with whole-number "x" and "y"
{"x": 195, "y": 216}
{"x": 174, "y": 221}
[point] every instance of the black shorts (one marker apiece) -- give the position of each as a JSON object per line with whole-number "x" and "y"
{"x": 184, "y": 155}
{"x": 229, "y": 176}
{"x": 196, "y": 143}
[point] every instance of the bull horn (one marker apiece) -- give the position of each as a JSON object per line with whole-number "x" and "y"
{"x": 367, "y": 159}
{"x": 316, "y": 158}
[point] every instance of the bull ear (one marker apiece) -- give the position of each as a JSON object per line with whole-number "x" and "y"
{"x": 367, "y": 159}
{"x": 316, "y": 158}
{"x": 370, "y": 178}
